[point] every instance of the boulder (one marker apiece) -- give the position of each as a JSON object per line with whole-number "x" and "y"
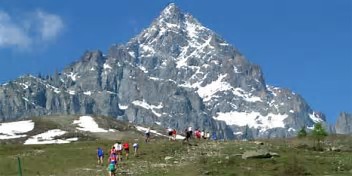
{"x": 336, "y": 149}
{"x": 168, "y": 158}
{"x": 259, "y": 142}
{"x": 261, "y": 153}
{"x": 273, "y": 154}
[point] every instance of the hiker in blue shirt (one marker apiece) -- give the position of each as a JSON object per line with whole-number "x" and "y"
{"x": 213, "y": 136}
{"x": 100, "y": 155}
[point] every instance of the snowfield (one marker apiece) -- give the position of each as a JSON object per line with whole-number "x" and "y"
{"x": 12, "y": 130}
{"x": 253, "y": 119}
{"x": 48, "y": 138}
{"x": 87, "y": 123}
{"x": 145, "y": 105}
{"x": 315, "y": 118}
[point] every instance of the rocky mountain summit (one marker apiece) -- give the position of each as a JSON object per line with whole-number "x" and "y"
{"x": 176, "y": 73}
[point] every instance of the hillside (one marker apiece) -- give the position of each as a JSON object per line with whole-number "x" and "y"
{"x": 168, "y": 158}
{"x": 67, "y": 129}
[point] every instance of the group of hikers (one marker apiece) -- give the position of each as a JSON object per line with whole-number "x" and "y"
{"x": 188, "y": 132}
{"x": 116, "y": 151}
{"x": 198, "y": 134}
{"x": 116, "y": 155}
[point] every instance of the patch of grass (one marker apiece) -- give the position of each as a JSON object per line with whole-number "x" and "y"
{"x": 293, "y": 168}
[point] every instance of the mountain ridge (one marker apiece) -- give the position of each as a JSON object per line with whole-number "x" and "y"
{"x": 176, "y": 73}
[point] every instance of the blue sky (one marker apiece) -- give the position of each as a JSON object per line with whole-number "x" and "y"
{"x": 302, "y": 45}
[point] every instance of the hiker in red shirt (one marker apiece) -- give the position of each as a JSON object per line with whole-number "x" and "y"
{"x": 169, "y": 133}
{"x": 174, "y": 134}
{"x": 113, "y": 151}
{"x": 198, "y": 134}
{"x": 126, "y": 147}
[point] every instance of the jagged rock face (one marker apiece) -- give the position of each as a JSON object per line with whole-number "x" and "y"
{"x": 344, "y": 124}
{"x": 176, "y": 73}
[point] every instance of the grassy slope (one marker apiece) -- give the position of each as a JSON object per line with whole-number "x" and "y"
{"x": 201, "y": 158}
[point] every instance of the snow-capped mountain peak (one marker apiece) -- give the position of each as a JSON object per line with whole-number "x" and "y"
{"x": 175, "y": 73}
{"x": 188, "y": 37}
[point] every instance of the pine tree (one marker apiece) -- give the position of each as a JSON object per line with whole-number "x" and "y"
{"x": 302, "y": 133}
{"x": 319, "y": 135}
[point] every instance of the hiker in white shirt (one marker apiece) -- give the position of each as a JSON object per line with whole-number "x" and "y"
{"x": 202, "y": 134}
{"x": 119, "y": 150}
{"x": 135, "y": 147}
{"x": 190, "y": 131}
{"x": 207, "y": 135}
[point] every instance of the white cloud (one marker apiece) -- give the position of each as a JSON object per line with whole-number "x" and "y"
{"x": 11, "y": 34}
{"x": 23, "y": 31}
{"x": 50, "y": 25}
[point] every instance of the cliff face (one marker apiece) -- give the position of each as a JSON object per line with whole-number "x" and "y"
{"x": 344, "y": 123}
{"x": 175, "y": 73}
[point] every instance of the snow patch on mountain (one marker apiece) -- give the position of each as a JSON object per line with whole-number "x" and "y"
{"x": 252, "y": 119}
{"x": 123, "y": 107}
{"x": 49, "y": 138}
{"x": 12, "y": 130}
{"x": 146, "y": 50}
{"x": 315, "y": 118}
{"x": 208, "y": 91}
{"x": 24, "y": 85}
{"x": 71, "y": 92}
{"x": 132, "y": 54}
{"x": 27, "y": 100}
{"x": 72, "y": 75}
{"x": 291, "y": 129}
{"x": 87, "y": 123}
{"x": 87, "y": 93}
{"x": 145, "y": 105}
{"x": 106, "y": 66}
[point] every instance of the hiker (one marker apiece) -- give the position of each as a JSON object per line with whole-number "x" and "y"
{"x": 113, "y": 150}
{"x": 119, "y": 151}
{"x": 174, "y": 134}
{"x": 197, "y": 134}
{"x": 169, "y": 133}
{"x": 190, "y": 131}
{"x": 112, "y": 165}
{"x": 213, "y": 137}
{"x": 135, "y": 147}
{"x": 207, "y": 135}
{"x": 126, "y": 147}
{"x": 100, "y": 154}
{"x": 147, "y": 135}
{"x": 203, "y": 134}
{"x": 188, "y": 135}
